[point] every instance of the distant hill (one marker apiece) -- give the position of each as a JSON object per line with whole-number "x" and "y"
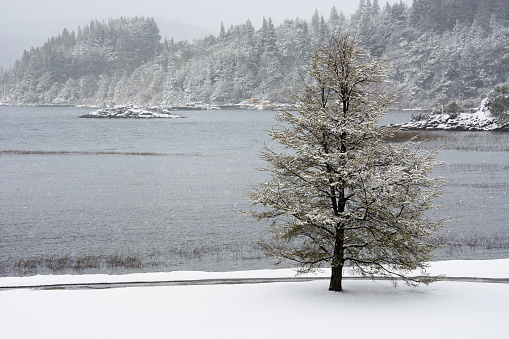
{"x": 176, "y": 30}
{"x": 442, "y": 51}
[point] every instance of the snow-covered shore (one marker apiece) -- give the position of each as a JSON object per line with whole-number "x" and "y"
{"x": 482, "y": 120}
{"x": 479, "y": 121}
{"x": 366, "y": 309}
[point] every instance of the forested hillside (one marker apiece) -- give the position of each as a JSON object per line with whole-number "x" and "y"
{"x": 442, "y": 51}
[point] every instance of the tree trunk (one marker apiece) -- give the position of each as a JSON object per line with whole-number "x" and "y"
{"x": 337, "y": 262}
{"x": 338, "y": 256}
{"x": 336, "y": 279}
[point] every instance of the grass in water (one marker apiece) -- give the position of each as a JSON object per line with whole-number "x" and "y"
{"x": 121, "y": 263}
{"x": 451, "y": 140}
{"x": 23, "y": 152}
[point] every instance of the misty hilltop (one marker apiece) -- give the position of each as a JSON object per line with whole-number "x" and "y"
{"x": 442, "y": 51}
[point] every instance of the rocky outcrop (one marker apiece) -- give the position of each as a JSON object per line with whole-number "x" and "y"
{"x": 479, "y": 121}
{"x": 131, "y": 112}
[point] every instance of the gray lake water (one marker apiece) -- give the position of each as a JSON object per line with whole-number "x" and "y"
{"x": 167, "y": 194}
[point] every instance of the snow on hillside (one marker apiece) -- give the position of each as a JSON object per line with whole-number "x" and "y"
{"x": 367, "y": 309}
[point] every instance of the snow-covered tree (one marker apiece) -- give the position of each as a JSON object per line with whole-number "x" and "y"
{"x": 339, "y": 194}
{"x": 442, "y": 51}
{"x": 498, "y": 104}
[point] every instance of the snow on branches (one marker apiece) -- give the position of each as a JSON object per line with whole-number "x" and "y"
{"x": 339, "y": 194}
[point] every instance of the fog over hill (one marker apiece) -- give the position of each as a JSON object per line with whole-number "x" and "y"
{"x": 18, "y": 38}
{"x": 176, "y": 30}
{"x": 29, "y": 23}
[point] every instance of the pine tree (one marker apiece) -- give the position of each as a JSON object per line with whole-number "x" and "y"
{"x": 340, "y": 195}
{"x": 335, "y": 20}
{"x": 222, "y": 33}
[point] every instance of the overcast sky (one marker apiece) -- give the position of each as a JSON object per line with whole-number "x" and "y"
{"x": 27, "y": 23}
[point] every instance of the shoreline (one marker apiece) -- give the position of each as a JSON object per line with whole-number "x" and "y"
{"x": 483, "y": 271}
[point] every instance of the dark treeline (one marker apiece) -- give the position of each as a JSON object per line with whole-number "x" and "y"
{"x": 442, "y": 51}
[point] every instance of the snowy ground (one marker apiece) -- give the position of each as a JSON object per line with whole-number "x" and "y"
{"x": 367, "y": 309}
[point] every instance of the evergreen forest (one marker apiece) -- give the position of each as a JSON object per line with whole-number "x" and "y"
{"x": 441, "y": 51}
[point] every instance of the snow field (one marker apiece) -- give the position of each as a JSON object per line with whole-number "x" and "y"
{"x": 366, "y": 309}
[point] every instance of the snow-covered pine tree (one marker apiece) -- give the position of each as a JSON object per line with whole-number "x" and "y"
{"x": 340, "y": 195}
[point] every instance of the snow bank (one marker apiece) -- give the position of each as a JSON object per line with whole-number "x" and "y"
{"x": 366, "y": 309}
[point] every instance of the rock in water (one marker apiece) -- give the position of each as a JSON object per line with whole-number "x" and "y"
{"x": 131, "y": 112}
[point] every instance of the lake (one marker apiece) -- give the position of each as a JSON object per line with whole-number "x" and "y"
{"x": 124, "y": 195}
